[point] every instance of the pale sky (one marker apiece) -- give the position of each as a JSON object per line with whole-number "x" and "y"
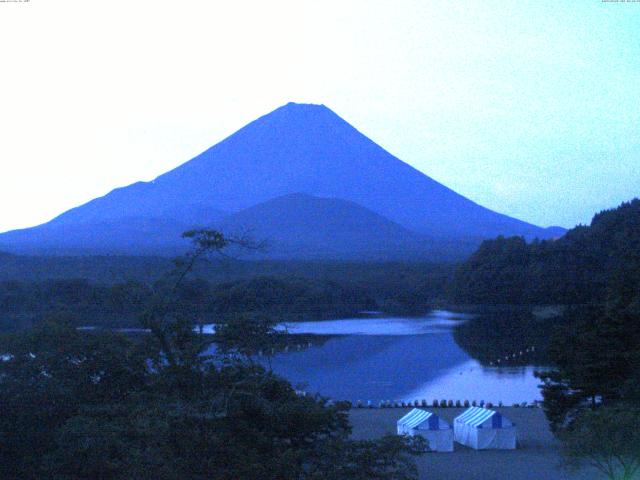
{"x": 530, "y": 108}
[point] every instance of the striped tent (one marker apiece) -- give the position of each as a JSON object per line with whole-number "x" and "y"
{"x": 481, "y": 428}
{"x": 437, "y": 432}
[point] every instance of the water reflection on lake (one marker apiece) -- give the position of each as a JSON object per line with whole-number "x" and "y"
{"x": 399, "y": 359}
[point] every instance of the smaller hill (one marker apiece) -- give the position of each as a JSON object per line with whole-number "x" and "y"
{"x": 303, "y": 226}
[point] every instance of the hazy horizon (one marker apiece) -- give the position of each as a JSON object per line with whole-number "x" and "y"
{"x": 531, "y": 110}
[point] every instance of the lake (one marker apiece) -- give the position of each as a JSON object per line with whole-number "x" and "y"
{"x": 398, "y": 359}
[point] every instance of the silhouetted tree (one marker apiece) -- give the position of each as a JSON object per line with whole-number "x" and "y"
{"x": 607, "y": 439}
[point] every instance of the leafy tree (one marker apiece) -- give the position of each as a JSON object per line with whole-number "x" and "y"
{"x": 169, "y": 317}
{"x": 46, "y": 375}
{"x": 246, "y": 335}
{"x": 592, "y": 397}
{"x": 385, "y": 459}
{"x": 607, "y": 439}
{"x": 596, "y": 356}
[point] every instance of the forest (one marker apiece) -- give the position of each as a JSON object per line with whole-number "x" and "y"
{"x": 285, "y": 291}
{"x": 578, "y": 268}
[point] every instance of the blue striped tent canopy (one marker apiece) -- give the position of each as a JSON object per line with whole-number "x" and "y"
{"x": 476, "y": 416}
{"x": 417, "y": 417}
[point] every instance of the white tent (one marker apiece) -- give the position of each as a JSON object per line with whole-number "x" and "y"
{"x": 437, "y": 433}
{"x": 481, "y": 428}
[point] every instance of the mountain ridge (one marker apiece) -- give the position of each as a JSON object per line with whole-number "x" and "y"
{"x": 297, "y": 148}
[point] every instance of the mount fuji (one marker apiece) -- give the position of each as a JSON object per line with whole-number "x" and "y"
{"x": 300, "y": 163}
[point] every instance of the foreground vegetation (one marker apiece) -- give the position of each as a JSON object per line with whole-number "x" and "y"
{"x": 101, "y": 406}
{"x": 83, "y": 405}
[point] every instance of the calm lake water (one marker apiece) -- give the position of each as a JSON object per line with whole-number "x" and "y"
{"x": 398, "y": 359}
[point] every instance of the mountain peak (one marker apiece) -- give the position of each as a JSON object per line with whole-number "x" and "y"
{"x": 302, "y": 113}
{"x": 304, "y": 105}
{"x": 298, "y": 147}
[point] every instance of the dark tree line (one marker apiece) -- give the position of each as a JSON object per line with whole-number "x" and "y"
{"x": 578, "y": 268}
{"x": 119, "y": 305}
{"x": 337, "y": 291}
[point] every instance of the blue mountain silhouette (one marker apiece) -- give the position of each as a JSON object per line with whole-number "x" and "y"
{"x": 296, "y": 149}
